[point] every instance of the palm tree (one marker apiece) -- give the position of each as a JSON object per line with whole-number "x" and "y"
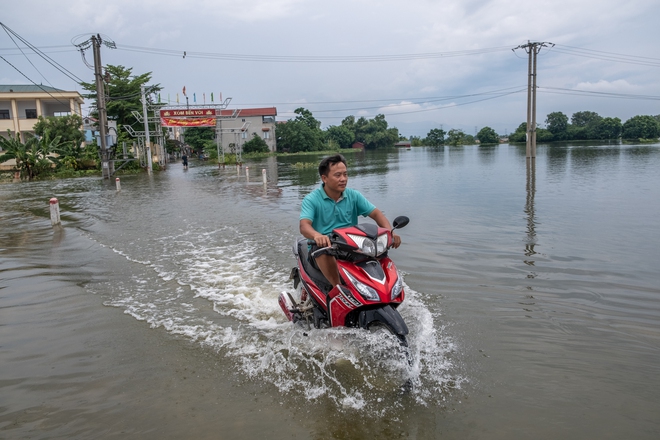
{"x": 31, "y": 156}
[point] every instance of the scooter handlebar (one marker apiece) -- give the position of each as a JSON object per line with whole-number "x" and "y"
{"x": 325, "y": 250}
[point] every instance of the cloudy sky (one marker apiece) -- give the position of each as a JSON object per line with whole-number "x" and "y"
{"x": 422, "y": 63}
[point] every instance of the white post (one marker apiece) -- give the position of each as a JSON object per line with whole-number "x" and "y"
{"x": 54, "y": 212}
{"x": 263, "y": 176}
{"x": 247, "y": 174}
{"x": 118, "y": 184}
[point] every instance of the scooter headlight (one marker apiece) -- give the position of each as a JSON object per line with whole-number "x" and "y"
{"x": 368, "y": 293}
{"x": 397, "y": 288}
{"x": 368, "y": 246}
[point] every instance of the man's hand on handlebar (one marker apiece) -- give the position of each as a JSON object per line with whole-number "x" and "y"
{"x": 322, "y": 240}
{"x": 397, "y": 240}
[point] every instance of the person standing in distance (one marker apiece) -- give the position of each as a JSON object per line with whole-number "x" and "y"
{"x": 331, "y": 206}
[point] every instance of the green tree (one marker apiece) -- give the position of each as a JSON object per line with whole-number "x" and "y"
{"x": 583, "y": 125}
{"x": 340, "y": 135}
{"x": 68, "y": 128}
{"x": 543, "y": 135}
{"x": 585, "y": 118}
{"x": 488, "y": 136}
{"x": 416, "y": 141}
{"x": 435, "y": 137}
{"x": 303, "y": 133}
{"x": 557, "y": 123}
{"x": 31, "y": 156}
{"x": 608, "y": 128}
{"x": 520, "y": 135}
{"x": 375, "y": 133}
{"x": 197, "y": 137}
{"x": 456, "y": 137}
{"x": 255, "y": 145}
{"x": 70, "y": 152}
{"x": 124, "y": 96}
{"x": 349, "y": 123}
{"x": 641, "y": 127}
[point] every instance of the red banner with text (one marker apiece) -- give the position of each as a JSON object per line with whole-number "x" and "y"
{"x": 188, "y": 122}
{"x": 199, "y": 117}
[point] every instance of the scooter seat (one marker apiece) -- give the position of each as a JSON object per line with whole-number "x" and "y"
{"x": 315, "y": 274}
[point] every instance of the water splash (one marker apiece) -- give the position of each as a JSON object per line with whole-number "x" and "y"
{"x": 234, "y": 271}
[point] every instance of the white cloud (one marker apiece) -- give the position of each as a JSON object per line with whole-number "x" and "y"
{"x": 617, "y": 86}
{"x": 361, "y": 28}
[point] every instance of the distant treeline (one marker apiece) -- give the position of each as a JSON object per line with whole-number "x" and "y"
{"x": 584, "y": 125}
{"x": 303, "y": 133}
{"x": 588, "y": 125}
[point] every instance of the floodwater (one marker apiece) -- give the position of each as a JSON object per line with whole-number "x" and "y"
{"x": 533, "y": 300}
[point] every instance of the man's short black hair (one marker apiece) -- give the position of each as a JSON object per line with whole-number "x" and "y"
{"x": 326, "y": 163}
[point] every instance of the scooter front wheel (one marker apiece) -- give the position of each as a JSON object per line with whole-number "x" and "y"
{"x": 378, "y": 327}
{"x": 383, "y": 327}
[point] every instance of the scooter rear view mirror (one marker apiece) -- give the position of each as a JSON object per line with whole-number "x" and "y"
{"x": 400, "y": 222}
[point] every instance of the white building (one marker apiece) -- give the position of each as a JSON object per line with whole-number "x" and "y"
{"x": 21, "y": 105}
{"x": 239, "y": 126}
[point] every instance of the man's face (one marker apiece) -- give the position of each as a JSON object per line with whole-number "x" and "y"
{"x": 337, "y": 177}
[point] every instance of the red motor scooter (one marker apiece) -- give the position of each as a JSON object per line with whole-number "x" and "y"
{"x": 371, "y": 287}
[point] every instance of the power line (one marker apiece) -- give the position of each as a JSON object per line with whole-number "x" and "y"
{"x": 52, "y": 62}
{"x": 499, "y": 95}
{"x": 607, "y": 56}
{"x": 309, "y": 58}
{"x": 577, "y": 92}
{"x": 38, "y": 85}
{"x": 417, "y": 101}
{"x": 422, "y": 99}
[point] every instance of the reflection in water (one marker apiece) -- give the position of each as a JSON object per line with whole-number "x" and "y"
{"x": 487, "y": 154}
{"x": 586, "y": 159}
{"x": 529, "y": 210}
{"x": 556, "y": 160}
{"x": 435, "y": 156}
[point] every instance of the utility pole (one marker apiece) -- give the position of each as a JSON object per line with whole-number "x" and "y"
{"x": 100, "y": 107}
{"x": 107, "y": 165}
{"x": 147, "y": 138}
{"x": 532, "y": 49}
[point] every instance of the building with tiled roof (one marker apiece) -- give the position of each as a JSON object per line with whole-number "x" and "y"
{"x": 240, "y": 125}
{"x": 21, "y": 105}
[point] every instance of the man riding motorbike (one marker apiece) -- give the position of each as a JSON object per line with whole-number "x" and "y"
{"x": 331, "y": 206}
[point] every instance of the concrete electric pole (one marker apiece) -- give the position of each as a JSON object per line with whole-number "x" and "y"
{"x": 532, "y": 49}
{"x": 147, "y": 138}
{"x": 100, "y": 107}
{"x": 107, "y": 165}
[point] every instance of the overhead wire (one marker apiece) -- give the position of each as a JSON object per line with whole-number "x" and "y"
{"x": 26, "y": 57}
{"x": 564, "y": 91}
{"x": 38, "y": 85}
{"x": 568, "y": 50}
{"x": 418, "y": 101}
{"x": 607, "y": 56}
{"x": 308, "y": 58}
{"x": 48, "y": 59}
{"x": 496, "y": 94}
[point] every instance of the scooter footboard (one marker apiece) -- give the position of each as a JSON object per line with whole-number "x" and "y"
{"x": 387, "y": 315}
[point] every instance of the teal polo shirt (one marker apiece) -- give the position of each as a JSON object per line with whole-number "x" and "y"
{"x": 326, "y": 214}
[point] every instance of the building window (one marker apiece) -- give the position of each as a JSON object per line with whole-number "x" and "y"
{"x": 4, "y": 114}
{"x": 266, "y": 134}
{"x": 61, "y": 114}
{"x": 244, "y": 135}
{"x": 30, "y": 113}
